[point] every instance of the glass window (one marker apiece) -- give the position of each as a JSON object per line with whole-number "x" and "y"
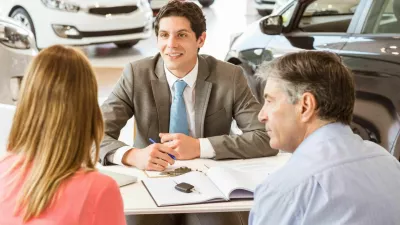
{"x": 383, "y": 17}
{"x": 278, "y": 5}
{"x": 328, "y": 16}
{"x": 288, "y": 14}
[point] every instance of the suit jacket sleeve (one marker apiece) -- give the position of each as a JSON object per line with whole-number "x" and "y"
{"x": 254, "y": 142}
{"x": 117, "y": 110}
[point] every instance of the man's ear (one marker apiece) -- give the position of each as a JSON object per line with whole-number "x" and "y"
{"x": 308, "y": 105}
{"x": 201, "y": 40}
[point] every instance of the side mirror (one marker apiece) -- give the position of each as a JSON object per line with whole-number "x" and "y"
{"x": 272, "y": 25}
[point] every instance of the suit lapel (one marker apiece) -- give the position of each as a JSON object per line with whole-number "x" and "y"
{"x": 162, "y": 97}
{"x": 202, "y": 95}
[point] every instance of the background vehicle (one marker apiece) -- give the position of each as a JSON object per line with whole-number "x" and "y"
{"x": 157, "y": 4}
{"x": 206, "y": 3}
{"x": 365, "y": 33}
{"x": 74, "y": 22}
{"x": 17, "y": 48}
{"x": 266, "y": 7}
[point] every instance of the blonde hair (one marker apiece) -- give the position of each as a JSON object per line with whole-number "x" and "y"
{"x": 56, "y": 122}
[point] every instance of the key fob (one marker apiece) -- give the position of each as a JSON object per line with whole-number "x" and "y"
{"x": 184, "y": 187}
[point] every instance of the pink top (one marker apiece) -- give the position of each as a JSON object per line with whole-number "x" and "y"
{"x": 84, "y": 198}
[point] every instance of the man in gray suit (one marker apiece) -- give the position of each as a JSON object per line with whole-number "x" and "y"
{"x": 215, "y": 93}
{"x": 184, "y": 101}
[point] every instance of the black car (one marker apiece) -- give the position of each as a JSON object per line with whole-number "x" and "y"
{"x": 365, "y": 33}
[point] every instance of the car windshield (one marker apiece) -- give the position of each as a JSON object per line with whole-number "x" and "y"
{"x": 279, "y": 5}
{"x": 288, "y": 14}
{"x": 328, "y": 16}
{"x": 331, "y": 7}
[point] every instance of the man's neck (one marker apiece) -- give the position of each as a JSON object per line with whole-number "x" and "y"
{"x": 306, "y": 131}
{"x": 182, "y": 72}
{"x": 315, "y": 126}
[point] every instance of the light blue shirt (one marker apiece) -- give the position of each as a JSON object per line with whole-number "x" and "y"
{"x": 333, "y": 177}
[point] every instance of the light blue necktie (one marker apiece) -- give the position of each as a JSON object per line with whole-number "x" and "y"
{"x": 178, "y": 122}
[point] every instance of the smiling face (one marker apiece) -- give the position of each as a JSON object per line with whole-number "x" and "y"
{"x": 282, "y": 119}
{"x": 178, "y": 45}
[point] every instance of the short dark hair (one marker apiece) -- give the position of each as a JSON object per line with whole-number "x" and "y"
{"x": 320, "y": 73}
{"x": 189, "y": 10}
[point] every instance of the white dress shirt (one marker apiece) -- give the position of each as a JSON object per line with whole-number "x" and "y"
{"x": 333, "y": 177}
{"x": 206, "y": 149}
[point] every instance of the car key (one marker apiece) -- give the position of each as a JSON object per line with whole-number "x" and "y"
{"x": 186, "y": 188}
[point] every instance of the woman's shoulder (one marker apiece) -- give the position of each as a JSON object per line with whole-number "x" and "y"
{"x": 95, "y": 179}
{"x": 8, "y": 157}
{"x": 8, "y": 160}
{"x": 91, "y": 184}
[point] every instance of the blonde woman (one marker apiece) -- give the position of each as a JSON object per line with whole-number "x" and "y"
{"x": 48, "y": 175}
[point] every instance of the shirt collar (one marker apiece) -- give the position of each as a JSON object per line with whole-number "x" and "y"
{"x": 190, "y": 78}
{"x": 325, "y": 133}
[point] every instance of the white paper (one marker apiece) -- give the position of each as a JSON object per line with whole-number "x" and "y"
{"x": 164, "y": 193}
{"x": 228, "y": 180}
{"x": 239, "y": 179}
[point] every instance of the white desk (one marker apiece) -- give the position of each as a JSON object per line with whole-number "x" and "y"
{"x": 136, "y": 198}
{"x": 138, "y": 201}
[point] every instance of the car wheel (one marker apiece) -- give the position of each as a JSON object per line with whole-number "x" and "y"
{"x": 206, "y": 3}
{"x": 126, "y": 44}
{"x": 264, "y": 12}
{"x": 22, "y": 16}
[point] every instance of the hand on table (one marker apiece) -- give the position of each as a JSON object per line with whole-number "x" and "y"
{"x": 185, "y": 146}
{"x": 153, "y": 157}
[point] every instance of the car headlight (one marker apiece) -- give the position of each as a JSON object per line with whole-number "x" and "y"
{"x": 14, "y": 36}
{"x": 61, "y": 5}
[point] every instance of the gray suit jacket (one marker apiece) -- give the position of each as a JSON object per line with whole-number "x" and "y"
{"x": 221, "y": 94}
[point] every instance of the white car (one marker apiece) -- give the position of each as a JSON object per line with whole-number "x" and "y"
{"x": 266, "y": 7}
{"x": 17, "y": 48}
{"x": 82, "y": 22}
{"x": 157, "y": 4}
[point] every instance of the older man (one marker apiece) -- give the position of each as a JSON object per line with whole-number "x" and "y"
{"x": 333, "y": 177}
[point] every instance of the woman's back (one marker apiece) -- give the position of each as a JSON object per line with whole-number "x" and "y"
{"x": 84, "y": 198}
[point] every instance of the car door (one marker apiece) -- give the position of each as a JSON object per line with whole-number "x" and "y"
{"x": 316, "y": 25}
{"x": 373, "y": 54}
{"x": 309, "y": 25}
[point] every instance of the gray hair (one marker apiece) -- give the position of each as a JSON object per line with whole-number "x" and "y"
{"x": 320, "y": 73}
{"x": 293, "y": 91}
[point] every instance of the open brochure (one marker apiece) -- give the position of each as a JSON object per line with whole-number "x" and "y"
{"x": 219, "y": 183}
